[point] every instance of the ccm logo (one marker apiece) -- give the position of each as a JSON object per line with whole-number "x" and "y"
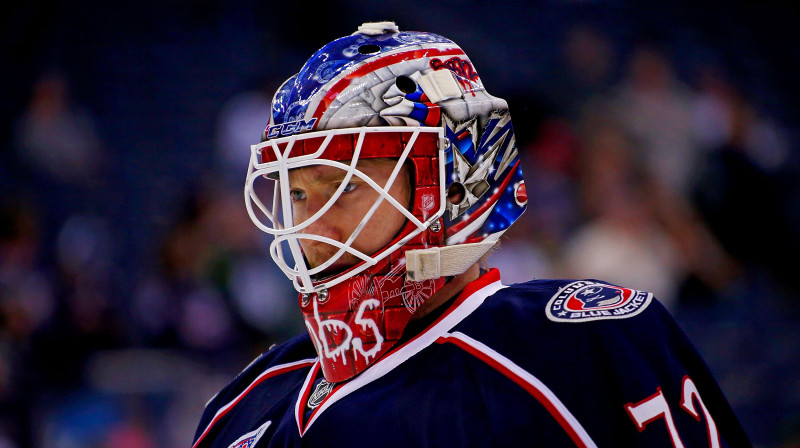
{"x": 291, "y": 127}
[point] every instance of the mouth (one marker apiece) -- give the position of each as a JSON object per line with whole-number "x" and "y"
{"x": 317, "y": 256}
{"x": 332, "y": 271}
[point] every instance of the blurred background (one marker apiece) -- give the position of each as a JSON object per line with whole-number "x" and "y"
{"x": 660, "y": 144}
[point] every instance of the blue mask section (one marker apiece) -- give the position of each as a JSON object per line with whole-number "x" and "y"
{"x": 291, "y": 101}
{"x": 496, "y": 132}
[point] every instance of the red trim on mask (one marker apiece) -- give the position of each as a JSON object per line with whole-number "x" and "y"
{"x": 380, "y": 62}
{"x": 341, "y": 147}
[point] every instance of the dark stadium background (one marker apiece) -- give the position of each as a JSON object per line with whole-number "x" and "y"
{"x": 132, "y": 285}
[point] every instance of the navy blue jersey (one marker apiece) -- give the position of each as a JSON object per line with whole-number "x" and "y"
{"x": 547, "y": 363}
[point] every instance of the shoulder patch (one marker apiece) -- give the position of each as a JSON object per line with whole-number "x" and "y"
{"x": 587, "y": 300}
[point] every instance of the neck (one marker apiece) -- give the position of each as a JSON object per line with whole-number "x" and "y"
{"x": 448, "y": 291}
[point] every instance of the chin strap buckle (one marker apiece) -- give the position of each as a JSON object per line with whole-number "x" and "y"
{"x": 435, "y": 262}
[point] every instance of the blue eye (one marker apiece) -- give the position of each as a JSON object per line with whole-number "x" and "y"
{"x": 349, "y": 187}
{"x": 297, "y": 195}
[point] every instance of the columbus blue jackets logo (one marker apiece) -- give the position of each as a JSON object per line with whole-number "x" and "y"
{"x": 585, "y": 300}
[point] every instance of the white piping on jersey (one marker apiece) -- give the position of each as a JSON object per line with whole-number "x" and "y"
{"x": 272, "y": 371}
{"x": 404, "y": 352}
{"x": 539, "y": 390}
{"x": 300, "y": 405}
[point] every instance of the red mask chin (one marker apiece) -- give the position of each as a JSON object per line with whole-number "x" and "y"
{"x": 362, "y": 318}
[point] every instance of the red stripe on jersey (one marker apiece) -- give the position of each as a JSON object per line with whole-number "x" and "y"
{"x": 342, "y": 84}
{"x": 541, "y": 393}
{"x": 269, "y": 373}
{"x": 304, "y": 394}
{"x": 300, "y": 406}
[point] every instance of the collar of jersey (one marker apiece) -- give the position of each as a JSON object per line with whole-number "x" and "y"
{"x": 467, "y": 301}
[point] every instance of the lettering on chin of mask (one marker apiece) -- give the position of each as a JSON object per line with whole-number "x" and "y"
{"x": 321, "y": 391}
{"x": 586, "y": 300}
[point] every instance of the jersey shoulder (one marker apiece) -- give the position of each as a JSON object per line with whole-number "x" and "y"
{"x": 572, "y": 301}
{"x": 577, "y": 301}
{"x": 299, "y": 349}
{"x": 289, "y": 358}
{"x": 566, "y": 314}
{"x": 602, "y": 349}
{"x": 583, "y": 329}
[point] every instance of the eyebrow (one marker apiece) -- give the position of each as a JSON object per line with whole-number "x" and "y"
{"x": 336, "y": 176}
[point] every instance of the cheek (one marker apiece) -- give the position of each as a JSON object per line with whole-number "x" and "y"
{"x": 385, "y": 224}
{"x": 298, "y": 212}
{"x": 388, "y": 220}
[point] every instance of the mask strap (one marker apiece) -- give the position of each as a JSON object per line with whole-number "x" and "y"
{"x": 435, "y": 262}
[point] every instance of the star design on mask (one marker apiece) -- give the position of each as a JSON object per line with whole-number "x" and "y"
{"x": 503, "y": 120}
{"x": 474, "y": 176}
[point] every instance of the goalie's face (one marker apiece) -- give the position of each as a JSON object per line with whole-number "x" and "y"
{"x": 312, "y": 187}
{"x": 346, "y": 198}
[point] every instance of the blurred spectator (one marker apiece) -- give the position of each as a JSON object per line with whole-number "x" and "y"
{"x": 84, "y": 252}
{"x": 27, "y": 307}
{"x": 550, "y": 165}
{"x": 128, "y": 435}
{"x": 747, "y": 152}
{"x": 240, "y": 123}
{"x": 203, "y": 297}
{"x": 588, "y": 62}
{"x": 86, "y": 319}
{"x": 26, "y": 295}
{"x": 655, "y": 108}
{"x": 621, "y": 242}
{"x": 57, "y": 137}
{"x": 173, "y": 306}
{"x": 90, "y": 419}
{"x": 722, "y": 116}
{"x": 638, "y": 232}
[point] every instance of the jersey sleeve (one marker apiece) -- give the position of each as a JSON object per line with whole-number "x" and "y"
{"x": 628, "y": 375}
{"x": 268, "y": 372}
{"x": 665, "y": 388}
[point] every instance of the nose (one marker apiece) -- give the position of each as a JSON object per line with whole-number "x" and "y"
{"x": 325, "y": 228}
{"x": 327, "y": 225}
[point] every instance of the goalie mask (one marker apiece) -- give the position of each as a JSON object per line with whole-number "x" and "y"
{"x": 400, "y": 124}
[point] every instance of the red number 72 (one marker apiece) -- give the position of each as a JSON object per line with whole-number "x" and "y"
{"x": 655, "y": 406}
